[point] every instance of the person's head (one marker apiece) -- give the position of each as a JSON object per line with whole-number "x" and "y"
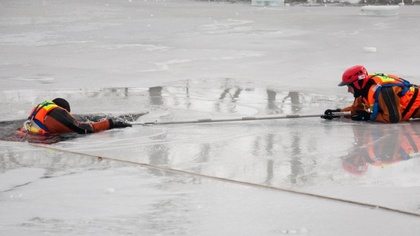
{"x": 356, "y": 77}
{"x": 62, "y": 103}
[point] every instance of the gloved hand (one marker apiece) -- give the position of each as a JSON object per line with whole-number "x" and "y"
{"x": 116, "y": 124}
{"x": 328, "y": 114}
{"x": 361, "y": 115}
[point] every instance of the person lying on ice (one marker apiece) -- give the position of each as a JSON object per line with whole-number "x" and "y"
{"x": 53, "y": 117}
{"x": 378, "y": 97}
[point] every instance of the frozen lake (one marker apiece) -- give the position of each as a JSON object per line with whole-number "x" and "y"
{"x": 185, "y": 60}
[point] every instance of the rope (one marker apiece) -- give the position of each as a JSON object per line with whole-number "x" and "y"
{"x": 373, "y": 206}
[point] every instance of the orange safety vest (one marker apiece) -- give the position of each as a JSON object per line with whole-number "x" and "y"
{"x": 407, "y": 95}
{"x": 35, "y": 122}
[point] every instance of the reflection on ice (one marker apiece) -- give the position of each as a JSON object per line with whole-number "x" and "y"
{"x": 381, "y": 145}
{"x": 293, "y": 152}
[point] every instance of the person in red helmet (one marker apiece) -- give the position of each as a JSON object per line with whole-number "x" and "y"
{"x": 53, "y": 117}
{"x": 378, "y": 97}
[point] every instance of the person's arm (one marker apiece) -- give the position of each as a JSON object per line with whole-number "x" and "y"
{"x": 358, "y": 111}
{"x": 356, "y": 106}
{"x": 61, "y": 121}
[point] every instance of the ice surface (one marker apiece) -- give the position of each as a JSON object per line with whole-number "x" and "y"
{"x": 183, "y": 60}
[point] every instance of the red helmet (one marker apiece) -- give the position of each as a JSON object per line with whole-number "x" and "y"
{"x": 354, "y": 74}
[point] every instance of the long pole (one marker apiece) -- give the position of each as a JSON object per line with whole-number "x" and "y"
{"x": 247, "y": 118}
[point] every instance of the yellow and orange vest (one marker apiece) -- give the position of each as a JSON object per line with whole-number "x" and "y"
{"x": 35, "y": 122}
{"x": 407, "y": 95}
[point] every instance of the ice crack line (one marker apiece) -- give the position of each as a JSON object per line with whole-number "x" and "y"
{"x": 373, "y": 206}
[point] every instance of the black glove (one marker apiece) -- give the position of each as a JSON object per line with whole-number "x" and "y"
{"x": 328, "y": 114}
{"x": 361, "y": 115}
{"x": 116, "y": 124}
